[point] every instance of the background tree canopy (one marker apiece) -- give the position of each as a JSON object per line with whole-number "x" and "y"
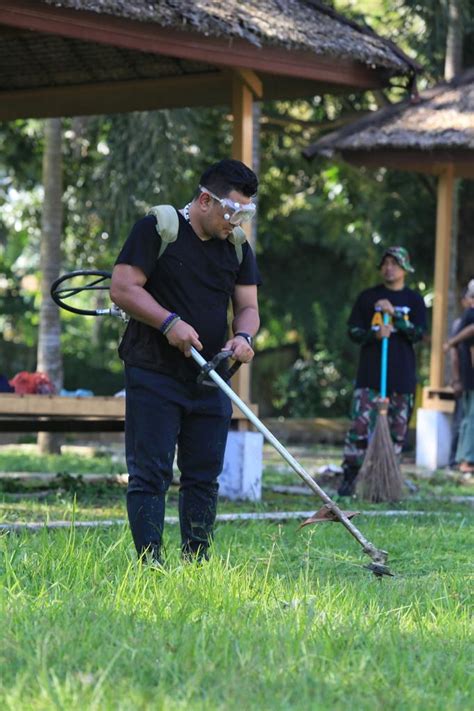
{"x": 321, "y": 226}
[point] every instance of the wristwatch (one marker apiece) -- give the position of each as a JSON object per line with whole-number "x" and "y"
{"x": 247, "y": 337}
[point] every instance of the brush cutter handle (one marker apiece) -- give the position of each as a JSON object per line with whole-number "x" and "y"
{"x": 226, "y": 374}
{"x": 384, "y": 362}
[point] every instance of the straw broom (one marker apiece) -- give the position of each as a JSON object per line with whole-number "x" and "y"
{"x": 380, "y": 478}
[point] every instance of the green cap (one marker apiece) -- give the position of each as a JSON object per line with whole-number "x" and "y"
{"x": 401, "y": 255}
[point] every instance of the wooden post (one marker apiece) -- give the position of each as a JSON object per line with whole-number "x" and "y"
{"x": 441, "y": 279}
{"x": 245, "y": 85}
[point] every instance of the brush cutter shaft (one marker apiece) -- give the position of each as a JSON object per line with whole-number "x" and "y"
{"x": 377, "y": 555}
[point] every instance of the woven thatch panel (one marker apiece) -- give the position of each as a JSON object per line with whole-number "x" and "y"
{"x": 443, "y": 119}
{"x": 293, "y": 24}
{"x": 26, "y": 61}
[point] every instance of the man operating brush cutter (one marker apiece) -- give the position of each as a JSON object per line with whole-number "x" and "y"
{"x": 77, "y": 292}
{"x": 174, "y": 278}
{"x": 386, "y": 321}
{"x": 176, "y": 289}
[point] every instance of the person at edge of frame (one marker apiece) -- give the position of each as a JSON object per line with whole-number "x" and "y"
{"x": 177, "y": 301}
{"x": 456, "y": 355}
{"x": 407, "y": 325}
{"x": 464, "y": 341}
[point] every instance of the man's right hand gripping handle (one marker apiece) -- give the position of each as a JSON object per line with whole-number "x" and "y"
{"x": 181, "y": 335}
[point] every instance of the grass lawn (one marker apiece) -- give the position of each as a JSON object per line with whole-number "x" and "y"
{"x": 280, "y": 618}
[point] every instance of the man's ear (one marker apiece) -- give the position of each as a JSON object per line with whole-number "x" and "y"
{"x": 204, "y": 201}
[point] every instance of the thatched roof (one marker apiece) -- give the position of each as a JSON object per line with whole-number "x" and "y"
{"x": 292, "y": 24}
{"x": 80, "y": 57}
{"x": 440, "y": 122}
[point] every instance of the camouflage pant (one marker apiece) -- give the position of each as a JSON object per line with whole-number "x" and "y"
{"x": 363, "y": 419}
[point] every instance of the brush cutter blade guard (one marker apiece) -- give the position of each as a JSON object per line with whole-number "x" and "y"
{"x": 326, "y": 515}
{"x": 379, "y": 570}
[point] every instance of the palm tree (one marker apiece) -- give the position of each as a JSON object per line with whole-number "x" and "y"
{"x": 49, "y": 358}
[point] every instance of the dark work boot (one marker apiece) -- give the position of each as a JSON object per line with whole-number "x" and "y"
{"x": 347, "y": 487}
{"x": 194, "y": 554}
{"x": 197, "y": 513}
{"x": 146, "y": 514}
{"x": 151, "y": 557}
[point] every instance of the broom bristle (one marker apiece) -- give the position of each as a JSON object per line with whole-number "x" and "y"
{"x": 380, "y": 478}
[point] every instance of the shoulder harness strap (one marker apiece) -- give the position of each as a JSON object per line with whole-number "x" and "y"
{"x": 167, "y": 226}
{"x": 237, "y": 237}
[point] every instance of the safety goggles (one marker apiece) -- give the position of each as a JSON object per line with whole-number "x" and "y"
{"x": 234, "y": 212}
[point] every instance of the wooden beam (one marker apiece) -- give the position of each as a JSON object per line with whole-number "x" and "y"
{"x": 252, "y": 81}
{"x": 441, "y": 278}
{"x": 207, "y": 89}
{"x": 432, "y": 162}
{"x": 151, "y": 37}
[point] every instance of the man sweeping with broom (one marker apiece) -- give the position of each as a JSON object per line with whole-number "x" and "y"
{"x": 386, "y": 321}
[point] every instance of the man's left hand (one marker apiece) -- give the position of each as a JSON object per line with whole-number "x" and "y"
{"x": 240, "y": 349}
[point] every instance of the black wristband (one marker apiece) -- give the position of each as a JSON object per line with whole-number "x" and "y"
{"x": 247, "y": 337}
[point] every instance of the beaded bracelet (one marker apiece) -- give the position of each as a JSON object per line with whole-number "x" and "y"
{"x": 171, "y": 317}
{"x": 171, "y": 324}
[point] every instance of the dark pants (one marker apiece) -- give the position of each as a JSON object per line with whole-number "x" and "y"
{"x": 455, "y": 427}
{"x": 162, "y": 412}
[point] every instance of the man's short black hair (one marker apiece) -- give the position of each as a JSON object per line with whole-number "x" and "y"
{"x": 227, "y": 175}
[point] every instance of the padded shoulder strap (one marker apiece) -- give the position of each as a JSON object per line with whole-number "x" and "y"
{"x": 167, "y": 224}
{"x": 238, "y": 237}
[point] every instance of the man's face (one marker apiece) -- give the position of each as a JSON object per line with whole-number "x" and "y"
{"x": 213, "y": 220}
{"x": 391, "y": 271}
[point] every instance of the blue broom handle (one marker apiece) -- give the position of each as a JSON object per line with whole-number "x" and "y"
{"x": 383, "y": 367}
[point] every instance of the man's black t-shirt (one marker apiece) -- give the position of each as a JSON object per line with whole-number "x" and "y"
{"x": 465, "y": 350}
{"x": 192, "y": 278}
{"x": 401, "y": 370}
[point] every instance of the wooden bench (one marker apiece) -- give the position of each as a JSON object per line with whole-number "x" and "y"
{"x": 54, "y": 413}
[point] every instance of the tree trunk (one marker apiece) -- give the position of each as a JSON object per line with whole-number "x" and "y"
{"x": 454, "y": 40}
{"x": 49, "y": 358}
{"x": 453, "y": 66}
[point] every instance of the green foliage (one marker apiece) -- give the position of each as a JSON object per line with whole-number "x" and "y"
{"x": 129, "y": 162}
{"x": 419, "y": 28}
{"x": 313, "y": 386}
